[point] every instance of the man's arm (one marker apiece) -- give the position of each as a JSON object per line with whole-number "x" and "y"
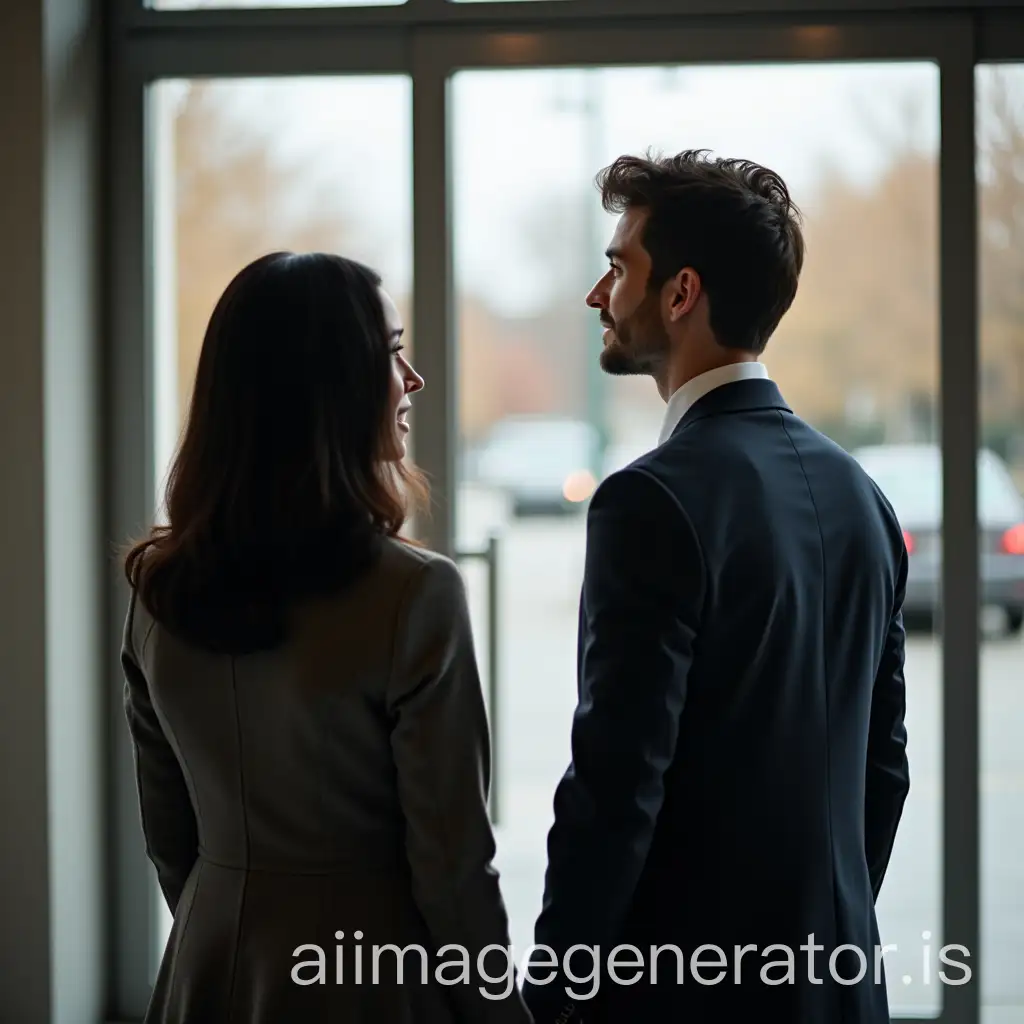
{"x": 888, "y": 772}
{"x": 643, "y": 590}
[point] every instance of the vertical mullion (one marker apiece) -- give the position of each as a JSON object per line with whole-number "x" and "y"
{"x": 958, "y": 278}
{"x": 433, "y": 338}
{"x": 129, "y": 441}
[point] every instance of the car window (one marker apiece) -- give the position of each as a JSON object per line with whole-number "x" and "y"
{"x": 913, "y": 485}
{"x": 536, "y": 451}
{"x": 912, "y": 481}
{"x": 998, "y": 496}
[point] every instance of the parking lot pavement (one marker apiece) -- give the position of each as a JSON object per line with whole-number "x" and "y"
{"x": 541, "y": 569}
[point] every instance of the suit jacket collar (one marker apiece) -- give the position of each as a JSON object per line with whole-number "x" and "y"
{"x": 695, "y": 389}
{"x": 738, "y": 396}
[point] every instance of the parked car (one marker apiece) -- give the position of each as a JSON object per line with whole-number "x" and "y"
{"x": 910, "y": 476}
{"x": 543, "y": 463}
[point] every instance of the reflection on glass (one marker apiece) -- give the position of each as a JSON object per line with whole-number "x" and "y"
{"x": 539, "y": 424}
{"x": 1000, "y": 120}
{"x": 246, "y": 167}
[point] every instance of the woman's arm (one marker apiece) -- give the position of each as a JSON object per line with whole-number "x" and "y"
{"x": 168, "y": 820}
{"x": 441, "y": 747}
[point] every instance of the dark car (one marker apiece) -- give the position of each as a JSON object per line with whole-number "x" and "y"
{"x": 910, "y": 476}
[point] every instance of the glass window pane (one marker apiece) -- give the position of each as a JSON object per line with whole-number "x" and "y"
{"x": 1000, "y": 126}
{"x": 857, "y": 356}
{"x": 247, "y": 167}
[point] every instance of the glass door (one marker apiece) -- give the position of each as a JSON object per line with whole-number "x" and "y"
{"x": 539, "y": 426}
{"x": 1000, "y": 169}
{"x": 243, "y": 167}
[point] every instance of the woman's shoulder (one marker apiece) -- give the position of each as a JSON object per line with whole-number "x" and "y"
{"x": 407, "y": 559}
{"x": 406, "y": 584}
{"x": 418, "y": 572}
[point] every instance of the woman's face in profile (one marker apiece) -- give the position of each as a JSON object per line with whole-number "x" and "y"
{"x": 404, "y": 379}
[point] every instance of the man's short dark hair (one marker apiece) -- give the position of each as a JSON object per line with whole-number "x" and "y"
{"x": 732, "y": 221}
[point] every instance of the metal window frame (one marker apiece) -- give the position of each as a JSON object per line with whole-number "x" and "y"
{"x": 429, "y": 40}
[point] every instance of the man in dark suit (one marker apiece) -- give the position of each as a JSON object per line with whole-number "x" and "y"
{"x": 738, "y": 750}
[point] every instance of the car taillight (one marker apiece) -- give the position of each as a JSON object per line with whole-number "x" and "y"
{"x": 908, "y": 539}
{"x": 1013, "y": 540}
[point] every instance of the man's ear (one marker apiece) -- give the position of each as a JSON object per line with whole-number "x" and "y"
{"x": 685, "y": 291}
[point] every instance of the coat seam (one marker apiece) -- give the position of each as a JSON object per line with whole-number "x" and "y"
{"x": 828, "y": 708}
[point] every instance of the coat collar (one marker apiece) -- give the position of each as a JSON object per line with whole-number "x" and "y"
{"x": 737, "y": 396}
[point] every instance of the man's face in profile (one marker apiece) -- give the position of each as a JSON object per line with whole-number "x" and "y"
{"x": 635, "y": 339}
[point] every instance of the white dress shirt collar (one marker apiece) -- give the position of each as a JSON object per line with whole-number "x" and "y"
{"x": 697, "y": 387}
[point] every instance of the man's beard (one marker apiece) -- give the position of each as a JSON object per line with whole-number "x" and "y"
{"x": 639, "y": 344}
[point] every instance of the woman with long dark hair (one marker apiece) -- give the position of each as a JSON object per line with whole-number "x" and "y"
{"x": 301, "y": 688}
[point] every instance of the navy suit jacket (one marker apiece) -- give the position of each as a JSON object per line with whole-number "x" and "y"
{"x": 738, "y": 750}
